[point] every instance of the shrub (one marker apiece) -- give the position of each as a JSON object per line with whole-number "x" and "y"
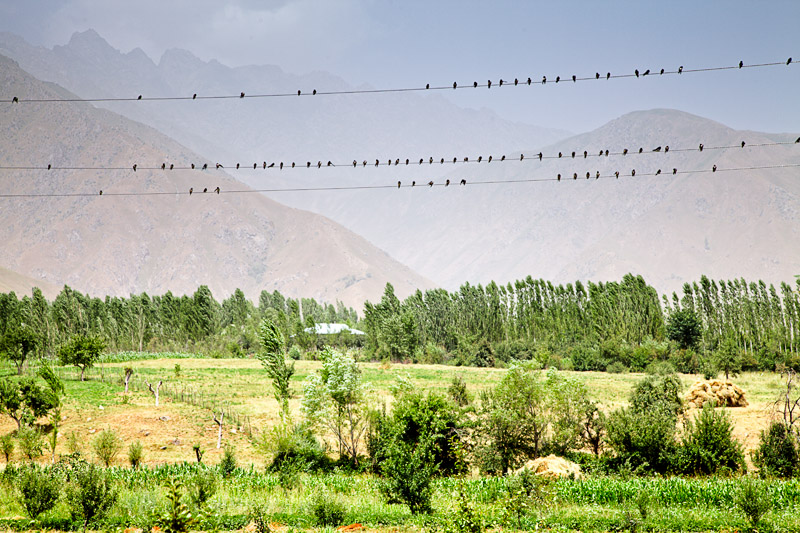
{"x": 203, "y": 487}
{"x": 753, "y": 500}
{"x": 135, "y": 454}
{"x": 106, "y": 446}
{"x": 408, "y": 470}
{"x": 91, "y": 493}
{"x": 588, "y": 359}
{"x": 295, "y": 444}
{"x": 465, "y": 519}
{"x": 39, "y": 489}
{"x": 643, "y": 440}
{"x": 73, "y": 442}
{"x": 458, "y": 392}
{"x": 176, "y": 518}
{"x": 30, "y": 442}
{"x": 777, "y": 453}
{"x": 327, "y": 510}
{"x": 7, "y": 446}
{"x": 709, "y": 445}
{"x": 228, "y": 463}
{"x": 294, "y": 353}
{"x": 616, "y": 368}
{"x": 658, "y": 391}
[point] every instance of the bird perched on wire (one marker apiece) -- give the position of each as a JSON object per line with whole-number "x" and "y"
{"x": 597, "y": 175}
{"x": 205, "y": 166}
{"x": 163, "y": 166}
{"x": 447, "y": 183}
{"x": 503, "y": 158}
{"x": 171, "y": 166}
{"x": 314, "y": 92}
{"x": 540, "y": 156}
{"x": 701, "y": 147}
{"x": 574, "y": 78}
{"x": 587, "y": 175}
{"x": 205, "y": 189}
{"x": 636, "y": 72}
{"x": 606, "y": 153}
{"x": 455, "y": 159}
{"x": 658, "y": 172}
{"x": 219, "y": 165}
{"x": 597, "y": 75}
{"x": 398, "y": 184}
{"x": 501, "y": 82}
{"x": 544, "y": 80}
{"x": 641, "y": 149}
{"x": 633, "y": 172}
{"x": 475, "y": 84}
{"x": 714, "y": 168}
{"x": 480, "y": 158}
{"x": 558, "y": 178}
{"x": 134, "y": 167}
{"x": 616, "y": 174}
{"x": 140, "y": 97}
{"x": 488, "y": 84}
{"x": 625, "y": 151}
{"x": 680, "y": 69}
{"x": 608, "y": 75}
{"x": 674, "y": 171}
{"x": 662, "y": 71}
{"x": 377, "y": 162}
{"x": 241, "y": 95}
{"x": 463, "y": 182}
{"x": 427, "y": 85}
{"x": 413, "y": 183}
{"x": 406, "y": 161}
{"x": 292, "y": 164}
{"x": 194, "y": 96}
{"x": 646, "y": 72}
{"x": 49, "y": 166}
{"x": 666, "y": 149}
{"x": 516, "y": 81}
{"x": 521, "y": 157}
{"x": 741, "y": 64}
{"x": 743, "y": 143}
{"x": 216, "y": 190}
{"x": 191, "y": 190}
{"x": 573, "y": 155}
{"x": 558, "y": 78}
{"x": 657, "y": 149}
{"x": 101, "y": 192}
{"x": 797, "y": 141}
{"x": 455, "y": 85}
{"x": 15, "y": 100}
{"x": 789, "y": 61}
{"x": 237, "y": 166}
{"x": 489, "y": 160}
{"x": 560, "y": 154}
{"x": 192, "y": 166}
{"x": 585, "y": 154}
{"x": 430, "y": 183}
{"x": 529, "y": 81}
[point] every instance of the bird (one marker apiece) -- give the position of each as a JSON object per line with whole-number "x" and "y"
{"x": 140, "y": 97}
{"x": 406, "y": 161}
{"x": 636, "y": 72}
{"x": 587, "y": 175}
{"x": 658, "y": 149}
{"x": 319, "y": 164}
{"x": 398, "y": 184}
{"x": 558, "y": 78}
{"x": 797, "y": 141}
{"x": 574, "y": 175}
{"x": 466, "y": 160}
{"x": 216, "y": 190}
{"x": 447, "y": 183}
{"x": 743, "y": 144}
{"x": 396, "y": 162}
{"x": 608, "y": 75}
{"x": 674, "y": 171}
{"x": 237, "y": 166}
{"x": 516, "y": 81}
{"x": 625, "y": 151}
{"x": 789, "y": 61}
{"x": 558, "y": 178}
{"x": 413, "y": 183}
{"x": 430, "y": 183}
{"x": 192, "y": 166}
{"x": 480, "y": 158}
{"x": 241, "y": 95}
{"x": 308, "y": 164}
{"x": 134, "y": 167}
{"x": 540, "y": 156}
{"x": 741, "y": 64}
{"x": 606, "y": 153}
{"x": 633, "y": 172}
{"x": 573, "y": 155}
{"x": 585, "y": 154}
{"x": 714, "y": 168}
{"x": 597, "y": 175}
{"x": 544, "y": 80}
{"x": 191, "y": 190}
{"x": 701, "y": 147}
{"x": 292, "y": 164}
{"x": 662, "y": 71}
{"x": 273, "y": 164}
{"x": 15, "y": 100}
{"x": 616, "y": 174}
{"x": 455, "y": 85}
{"x": 420, "y": 161}
{"x": 574, "y": 78}
{"x": 529, "y": 81}
{"x": 430, "y": 161}
{"x": 442, "y": 161}
{"x": 298, "y": 92}
{"x": 314, "y": 92}
{"x": 455, "y": 159}
{"x": 501, "y": 82}
{"x": 219, "y": 165}
{"x": 521, "y": 157}
{"x": 658, "y": 172}
{"x": 680, "y": 69}
{"x": 171, "y": 166}
{"x": 355, "y": 163}
{"x": 641, "y": 149}
{"x": 559, "y": 154}
{"x": 194, "y": 96}
{"x": 463, "y": 182}
{"x": 600, "y": 153}
{"x": 646, "y": 72}
{"x": 101, "y": 192}
{"x": 163, "y": 166}
{"x": 489, "y": 160}
{"x": 488, "y": 84}
{"x": 281, "y": 166}
{"x": 49, "y": 166}
{"x": 475, "y": 84}
{"x": 427, "y": 85}
{"x": 503, "y": 158}
{"x": 597, "y": 75}
{"x": 377, "y": 162}
{"x": 666, "y": 149}
{"x": 205, "y": 189}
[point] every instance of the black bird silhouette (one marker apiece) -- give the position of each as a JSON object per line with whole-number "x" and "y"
{"x": 219, "y": 165}
{"x": 466, "y": 160}
{"x": 633, "y": 172}
{"x": 463, "y": 182}
{"x": 529, "y": 81}
{"x": 666, "y": 149}
{"x": 255, "y": 165}
{"x": 454, "y": 160}
{"x": 575, "y": 175}
{"x": 573, "y": 155}
{"x": 488, "y": 84}
{"x": 714, "y": 168}
{"x": 15, "y": 100}
{"x": 355, "y": 163}
{"x": 314, "y": 92}
{"x": 216, "y": 190}
{"x": 377, "y": 162}
{"x": 608, "y": 75}
{"x": 475, "y": 84}
{"x": 455, "y": 85}
{"x": 398, "y": 184}
{"x": 237, "y": 166}
{"x": 364, "y": 162}
{"x": 489, "y": 160}
{"x": 658, "y": 149}
{"x": 447, "y": 183}
{"x": 606, "y": 153}
{"x": 442, "y": 161}
{"x": 430, "y": 183}
{"x": 597, "y": 75}
{"x": 574, "y": 78}
{"x": 637, "y": 72}
{"x": 273, "y": 164}
{"x": 585, "y": 154}
{"x": 501, "y": 82}
{"x": 658, "y": 172}
{"x": 241, "y": 95}
{"x": 558, "y": 78}
{"x": 191, "y": 190}
{"x": 641, "y": 149}
{"x": 540, "y": 156}
{"x": 625, "y": 151}
{"x": 292, "y": 164}
{"x": 789, "y": 61}
{"x": 521, "y": 157}
{"x": 680, "y": 69}
{"x": 743, "y": 144}
{"x": 600, "y": 153}
{"x": 662, "y": 71}
{"x": 516, "y": 82}
{"x": 140, "y": 97}
{"x": 616, "y": 174}
{"x": 194, "y": 96}
{"x": 420, "y": 161}
{"x": 281, "y": 167}
{"x": 413, "y": 183}
{"x": 701, "y": 147}
{"x": 797, "y": 141}
{"x": 101, "y": 192}
{"x": 406, "y": 161}
{"x": 308, "y": 164}
{"x": 560, "y": 154}
{"x": 741, "y": 64}
{"x": 171, "y": 166}
{"x": 319, "y": 164}
{"x": 544, "y": 80}
{"x": 558, "y": 178}
{"x": 427, "y": 85}
{"x": 674, "y": 171}
{"x": 298, "y": 92}
{"x": 480, "y": 158}
{"x": 430, "y": 161}
{"x": 503, "y": 158}
{"x": 587, "y": 175}
{"x": 597, "y": 175}
{"x": 192, "y": 166}
{"x": 163, "y": 166}
{"x": 396, "y": 162}
{"x": 646, "y": 72}
{"x": 134, "y": 167}
{"x": 49, "y": 166}
{"x": 205, "y": 189}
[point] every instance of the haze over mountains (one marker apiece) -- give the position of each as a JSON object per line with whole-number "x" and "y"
{"x": 669, "y": 229}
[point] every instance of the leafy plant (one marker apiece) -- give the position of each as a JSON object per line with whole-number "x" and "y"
{"x": 81, "y": 351}
{"x": 465, "y": 519}
{"x": 458, "y": 391}
{"x": 7, "y": 446}
{"x": 709, "y": 446}
{"x": 30, "y": 441}
{"x": 327, "y": 509}
{"x": 274, "y": 362}
{"x": 203, "y": 486}
{"x": 408, "y": 469}
{"x": 176, "y": 518}
{"x": 135, "y": 454}
{"x": 753, "y": 500}
{"x": 227, "y": 464}
{"x": 777, "y": 453}
{"x": 91, "y": 493}
{"x": 106, "y": 446}
{"x": 39, "y": 489}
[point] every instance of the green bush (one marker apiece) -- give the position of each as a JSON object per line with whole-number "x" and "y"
{"x": 709, "y": 446}
{"x": 616, "y": 368}
{"x": 227, "y": 464}
{"x": 294, "y": 444}
{"x": 7, "y": 446}
{"x": 176, "y": 518}
{"x": 31, "y": 442}
{"x": 91, "y": 493}
{"x": 753, "y": 500}
{"x": 408, "y": 469}
{"x": 458, "y": 392}
{"x": 327, "y": 509}
{"x": 658, "y": 390}
{"x": 643, "y": 440}
{"x": 203, "y": 486}
{"x": 135, "y": 454}
{"x": 39, "y": 489}
{"x": 465, "y": 518}
{"x": 106, "y": 446}
{"x": 777, "y": 453}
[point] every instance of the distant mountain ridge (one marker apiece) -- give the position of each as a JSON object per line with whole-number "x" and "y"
{"x": 107, "y": 245}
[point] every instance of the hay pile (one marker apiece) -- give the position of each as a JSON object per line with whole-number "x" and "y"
{"x": 725, "y": 393}
{"x": 553, "y": 466}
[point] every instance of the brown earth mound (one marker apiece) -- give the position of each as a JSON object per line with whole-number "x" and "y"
{"x": 724, "y": 393}
{"x": 553, "y": 466}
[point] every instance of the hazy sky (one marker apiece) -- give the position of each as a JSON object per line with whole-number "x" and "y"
{"x": 387, "y": 43}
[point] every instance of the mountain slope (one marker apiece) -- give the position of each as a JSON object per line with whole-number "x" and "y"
{"x": 117, "y": 245}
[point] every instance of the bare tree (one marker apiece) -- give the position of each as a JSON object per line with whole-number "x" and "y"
{"x": 127, "y": 377}
{"x": 154, "y": 391}
{"x": 219, "y": 431}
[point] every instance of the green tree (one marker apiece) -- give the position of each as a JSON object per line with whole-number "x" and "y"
{"x": 91, "y": 494}
{"x": 17, "y": 345}
{"x": 709, "y": 446}
{"x": 82, "y": 352}
{"x": 727, "y": 358}
{"x": 685, "y": 328}
{"x": 273, "y": 359}
{"x": 25, "y": 401}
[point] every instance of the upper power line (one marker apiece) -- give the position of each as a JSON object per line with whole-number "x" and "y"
{"x": 489, "y": 84}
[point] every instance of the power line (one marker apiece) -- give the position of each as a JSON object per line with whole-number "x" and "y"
{"x": 400, "y": 185}
{"x": 516, "y": 82}
{"x": 275, "y": 165}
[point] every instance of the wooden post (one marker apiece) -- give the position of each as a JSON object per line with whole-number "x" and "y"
{"x": 219, "y": 431}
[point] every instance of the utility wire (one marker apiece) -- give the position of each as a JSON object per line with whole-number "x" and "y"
{"x": 430, "y": 184}
{"x": 275, "y": 165}
{"x": 516, "y": 82}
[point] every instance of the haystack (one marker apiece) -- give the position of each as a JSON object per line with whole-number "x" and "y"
{"x": 724, "y": 393}
{"x": 553, "y": 466}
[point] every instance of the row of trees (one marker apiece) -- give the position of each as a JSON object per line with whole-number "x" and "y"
{"x": 166, "y": 322}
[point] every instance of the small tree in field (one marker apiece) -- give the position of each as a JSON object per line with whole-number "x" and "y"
{"x": 17, "y": 345}
{"x": 82, "y": 352}
{"x": 274, "y": 361}
{"x": 685, "y": 328}
{"x": 727, "y": 358}
{"x": 25, "y": 401}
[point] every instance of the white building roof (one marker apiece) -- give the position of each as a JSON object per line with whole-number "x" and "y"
{"x": 332, "y": 329}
